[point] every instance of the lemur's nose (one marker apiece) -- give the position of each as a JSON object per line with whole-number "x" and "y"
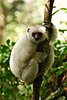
{"x": 37, "y": 35}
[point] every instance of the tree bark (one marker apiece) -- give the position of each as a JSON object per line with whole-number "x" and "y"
{"x": 47, "y": 23}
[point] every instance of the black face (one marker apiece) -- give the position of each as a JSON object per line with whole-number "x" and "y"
{"x": 37, "y": 35}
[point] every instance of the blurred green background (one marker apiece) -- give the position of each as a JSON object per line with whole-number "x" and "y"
{"x": 17, "y": 15}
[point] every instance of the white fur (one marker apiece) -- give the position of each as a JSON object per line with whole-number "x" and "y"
{"x": 24, "y": 60}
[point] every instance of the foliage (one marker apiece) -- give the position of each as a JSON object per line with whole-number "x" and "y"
{"x": 55, "y": 82}
{"x": 53, "y": 85}
{"x": 8, "y": 83}
{"x": 19, "y": 15}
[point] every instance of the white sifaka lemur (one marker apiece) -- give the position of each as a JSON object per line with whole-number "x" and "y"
{"x": 25, "y": 56}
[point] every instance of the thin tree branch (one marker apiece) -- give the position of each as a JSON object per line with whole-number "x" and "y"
{"x": 55, "y": 94}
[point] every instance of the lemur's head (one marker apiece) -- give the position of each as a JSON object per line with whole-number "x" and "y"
{"x": 37, "y": 34}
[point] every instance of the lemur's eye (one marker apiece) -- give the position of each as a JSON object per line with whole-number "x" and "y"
{"x": 37, "y": 35}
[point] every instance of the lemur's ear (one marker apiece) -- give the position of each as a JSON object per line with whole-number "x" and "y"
{"x": 28, "y": 29}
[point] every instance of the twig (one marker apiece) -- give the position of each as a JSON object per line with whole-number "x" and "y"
{"x": 55, "y": 94}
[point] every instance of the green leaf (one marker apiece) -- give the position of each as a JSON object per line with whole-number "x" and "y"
{"x": 13, "y": 43}
{"x": 54, "y": 69}
{"x": 65, "y": 65}
{"x": 59, "y": 72}
{"x": 8, "y": 42}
